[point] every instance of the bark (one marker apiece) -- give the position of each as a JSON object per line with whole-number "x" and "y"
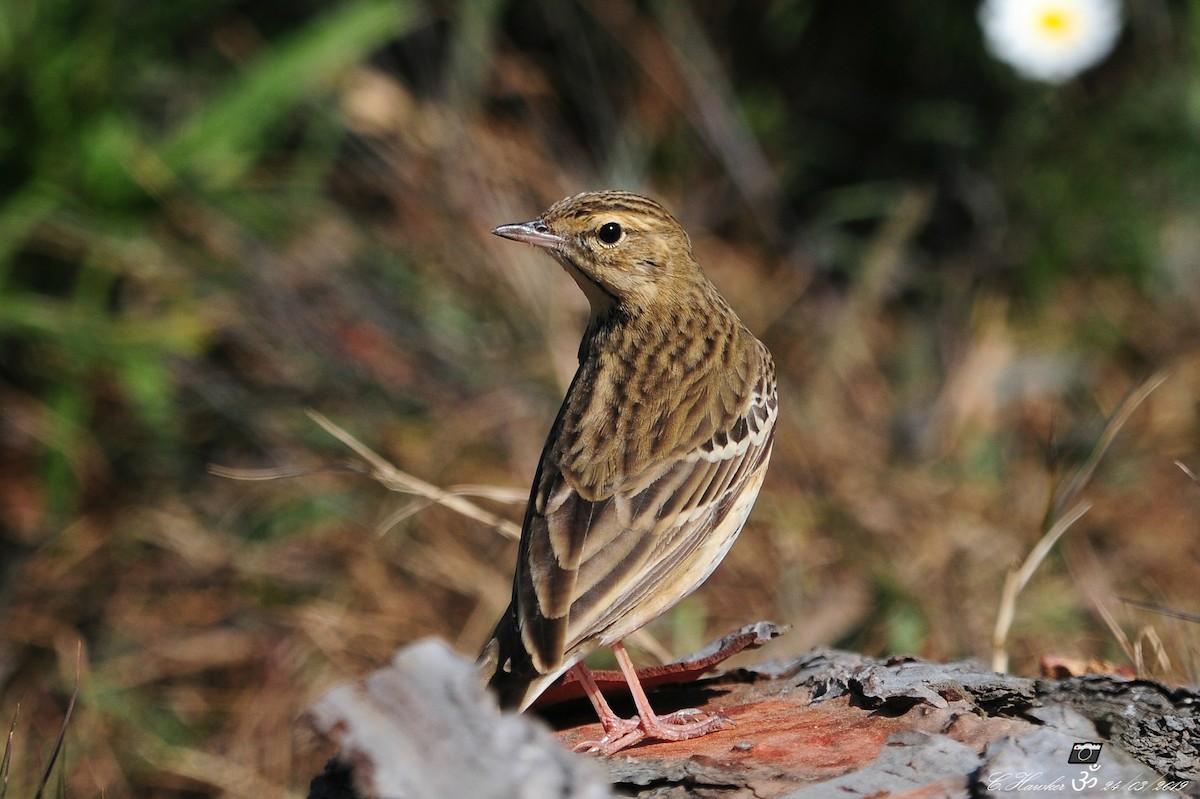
{"x": 826, "y": 723}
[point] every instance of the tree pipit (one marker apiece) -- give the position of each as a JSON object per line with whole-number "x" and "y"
{"x": 650, "y": 469}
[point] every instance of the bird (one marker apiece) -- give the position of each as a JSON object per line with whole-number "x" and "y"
{"x": 650, "y": 469}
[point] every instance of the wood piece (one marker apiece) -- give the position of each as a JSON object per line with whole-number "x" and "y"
{"x": 826, "y": 723}
{"x": 423, "y": 727}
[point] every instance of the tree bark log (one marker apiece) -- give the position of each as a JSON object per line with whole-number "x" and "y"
{"x": 826, "y": 723}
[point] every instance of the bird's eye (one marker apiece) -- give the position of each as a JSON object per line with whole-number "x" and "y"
{"x": 610, "y": 233}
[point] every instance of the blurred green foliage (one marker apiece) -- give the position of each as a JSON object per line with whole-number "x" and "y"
{"x": 120, "y": 124}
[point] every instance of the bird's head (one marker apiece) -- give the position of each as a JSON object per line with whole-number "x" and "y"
{"x": 624, "y": 250}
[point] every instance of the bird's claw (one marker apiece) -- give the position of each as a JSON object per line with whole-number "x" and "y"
{"x": 678, "y": 726}
{"x": 619, "y": 733}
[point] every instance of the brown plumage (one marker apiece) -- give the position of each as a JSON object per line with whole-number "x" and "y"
{"x": 652, "y": 465}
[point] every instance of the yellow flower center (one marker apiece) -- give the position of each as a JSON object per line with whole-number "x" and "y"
{"x": 1057, "y": 22}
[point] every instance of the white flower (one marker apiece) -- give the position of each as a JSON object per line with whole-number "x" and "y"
{"x": 1050, "y": 40}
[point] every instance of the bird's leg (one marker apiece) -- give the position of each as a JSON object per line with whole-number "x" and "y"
{"x": 678, "y": 726}
{"x": 626, "y": 732}
{"x": 622, "y": 733}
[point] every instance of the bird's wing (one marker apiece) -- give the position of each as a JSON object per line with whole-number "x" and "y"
{"x": 595, "y": 570}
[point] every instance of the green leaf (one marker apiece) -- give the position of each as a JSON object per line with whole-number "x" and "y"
{"x": 220, "y": 143}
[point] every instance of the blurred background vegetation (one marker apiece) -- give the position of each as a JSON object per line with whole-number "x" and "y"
{"x": 217, "y": 215}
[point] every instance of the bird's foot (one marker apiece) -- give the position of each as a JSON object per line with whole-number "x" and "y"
{"x": 625, "y": 732}
{"x": 684, "y": 724}
{"x": 681, "y": 725}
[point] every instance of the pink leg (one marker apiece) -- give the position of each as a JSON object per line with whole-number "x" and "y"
{"x": 673, "y": 726}
{"x": 620, "y": 733}
{"x": 615, "y": 727}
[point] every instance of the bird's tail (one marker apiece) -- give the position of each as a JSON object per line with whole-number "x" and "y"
{"x": 506, "y": 667}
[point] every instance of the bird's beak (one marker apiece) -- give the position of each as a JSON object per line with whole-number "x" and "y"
{"x": 534, "y": 232}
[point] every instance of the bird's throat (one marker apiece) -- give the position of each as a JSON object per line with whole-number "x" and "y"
{"x": 602, "y": 301}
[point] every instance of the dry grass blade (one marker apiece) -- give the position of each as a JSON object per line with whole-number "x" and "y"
{"x": 1084, "y": 473}
{"x": 1016, "y": 581}
{"x": 1175, "y": 614}
{"x": 1188, "y": 472}
{"x": 1150, "y": 635}
{"x": 507, "y": 496}
{"x": 253, "y": 475}
{"x": 494, "y": 493}
{"x": 1135, "y": 650}
{"x": 4, "y": 762}
{"x": 1058, "y": 520}
{"x": 62, "y": 735}
{"x": 397, "y": 480}
{"x": 718, "y": 117}
{"x": 1133, "y": 653}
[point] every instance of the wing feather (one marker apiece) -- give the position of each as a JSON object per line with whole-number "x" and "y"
{"x": 592, "y": 571}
